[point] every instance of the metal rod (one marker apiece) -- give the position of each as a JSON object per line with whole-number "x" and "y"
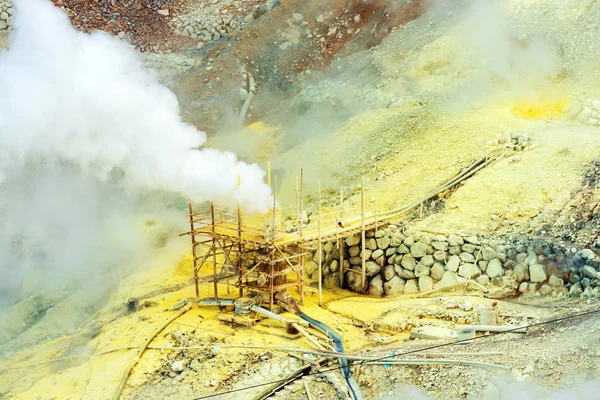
{"x": 240, "y": 251}
{"x": 194, "y": 249}
{"x": 362, "y": 237}
{"x": 214, "y": 250}
{"x": 320, "y": 250}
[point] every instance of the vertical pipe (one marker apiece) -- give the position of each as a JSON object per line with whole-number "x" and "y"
{"x": 300, "y": 222}
{"x": 193, "y": 235}
{"x": 272, "y": 247}
{"x": 341, "y": 243}
{"x": 362, "y": 236}
{"x": 214, "y": 250}
{"x": 320, "y": 253}
{"x": 298, "y": 249}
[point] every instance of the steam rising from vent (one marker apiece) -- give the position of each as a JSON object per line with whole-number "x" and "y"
{"x": 87, "y": 100}
{"x": 92, "y": 147}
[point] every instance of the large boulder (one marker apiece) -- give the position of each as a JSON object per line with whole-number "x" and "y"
{"x": 494, "y": 268}
{"x": 469, "y": 271}
{"x": 425, "y": 284}
{"x": 352, "y": 240}
{"x": 383, "y": 243}
{"x": 388, "y": 272}
{"x": 408, "y": 262}
{"x": 453, "y": 263}
{"x": 394, "y": 287}
{"x": 372, "y": 268}
{"x": 410, "y": 287}
{"x": 521, "y": 272}
{"x": 376, "y": 287}
{"x": 422, "y": 270}
{"x": 418, "y": 250}
{"x": 537, "y": 273}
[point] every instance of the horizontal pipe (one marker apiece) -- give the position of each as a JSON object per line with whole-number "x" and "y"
{"x": 496, "y": 328}
{"x": 439, "y": 362}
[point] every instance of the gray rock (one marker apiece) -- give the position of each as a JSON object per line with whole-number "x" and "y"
{"x": 437, "y": 271}
{"x": 590, "y": 272}
{"x": 352, "y": 240}
{"x": 427, "y": 261}
{"x": 379, "y": 233}
{"x": 483, "y": 279}
{"x": 177, "y": 366}
{"x": 453, "y": 263}
{"x": 356, "y": 260}
{"x": 418, "y": 250}
{"x": 376, "y": 254}
{"x": 421, "y": 270}
{"x": 390, "y": 251}
{"x": 397, "y": 240}
{"x": 367, "y": 253}
{"x": 454, "y": 240}
{"x": 454, "y": 250}
{"x": 555, "y": 281}
{"x": 311, "y": 267}
{"x": 388, "y": 272}
{"x": 410, "y": 287}
{"x": 354, "y": 251}
{"x": 467, "y": 257}
{"x": 394, "y": 287}
{"x": 546, "y": 290}
{"x": 425, "y": 239}
{"x": 443, "y": 246}
{"x": 402, "y": 249}
{"x": 383, "y": 243}
{"x": 376, "y": 287}
{"x": 469, "y": 248}
{"x": 328, "y": 247}
{"x": 574, "y": 278}
{"x": 537, "y": 273}
{"x": 531, "y": 258}
{"x": 469, "y": 271}
{"x": 354, "y": 281}
{"x": 4, "y": 16}
{"x": 587, "y": 254}
{"x": 334, "y": 266}
{"x": 576, "y": 290}
{"x": 371, "y": 244}
{"x": 472, "y": 240}
{"x": 372, "y": 268}
{"x": 425, "y": 284}
{"x": 439, "y": 256}
{"x": 521, "y": 257}
{"x": 3, "y": 25}
{"x": 521, "y": 272}
{"x": 488, "y": 253}
{"x": 408, "y": 262}
{"x": 494, "y": 268}
{"x": 482, "y": 265}
{"x": 409, "y": 241}
{"x": 404, "y": 273}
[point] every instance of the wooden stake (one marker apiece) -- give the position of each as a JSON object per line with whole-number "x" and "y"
{"x": 363, "y": 240}
{"x": 320, "y": 252}
{"x": 240, "y": 251}
{"x": 214, "y": 250}
{"x": 194, "y": 248}
{"x": 375, "y": 215}
{"x": 341, "y": 241}
{"x": 300, "y": 222}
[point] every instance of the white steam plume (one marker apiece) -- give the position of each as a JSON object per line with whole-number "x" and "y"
{"x": 86, "y": 99}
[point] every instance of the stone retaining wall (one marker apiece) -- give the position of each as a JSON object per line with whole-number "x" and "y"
{"x": 6, "y": 13}
{"x": 410, "y": 264}
{"x": 584, "y": 108}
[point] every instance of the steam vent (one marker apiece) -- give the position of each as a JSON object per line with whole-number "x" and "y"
{"x": 318, "y": 199}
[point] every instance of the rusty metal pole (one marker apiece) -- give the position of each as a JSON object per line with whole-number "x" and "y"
{"x": 214, "y": 250}
{"x": 193, "y": 235}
